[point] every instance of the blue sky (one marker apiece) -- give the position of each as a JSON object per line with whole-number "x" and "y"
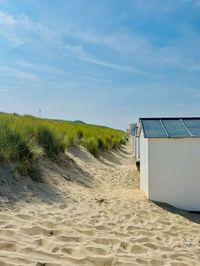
{"x": 103, "y": 62}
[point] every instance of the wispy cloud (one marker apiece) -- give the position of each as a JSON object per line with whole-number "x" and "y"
{"x": 6, "y": 19}
{"x": 141, "y": 47}
{"x": 41, "y": 67}
{"x": 117, "y": 67}
{"x": 135, "y": 49}
{"x": 79, "y": 53}
{"x": 17, "y": 29}
{"x": 11, "y": 72}
{"x": 179, "y": 53}
{"x": 122, "y": 41}
{"x": 20, "y": 20}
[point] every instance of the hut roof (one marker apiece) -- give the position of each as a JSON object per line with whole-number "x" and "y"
{"x": 171, "y": 127}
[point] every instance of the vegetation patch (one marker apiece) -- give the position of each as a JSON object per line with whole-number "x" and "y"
{"x": 23, "y": 139}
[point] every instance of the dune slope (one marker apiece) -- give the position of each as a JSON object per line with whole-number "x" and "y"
{"x": 88, "y": 212}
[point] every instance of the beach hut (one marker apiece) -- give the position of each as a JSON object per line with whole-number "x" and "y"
{"x": 170, "y": 160}
{"x": 137, "y": 142}
{"x": 133, "y": 137}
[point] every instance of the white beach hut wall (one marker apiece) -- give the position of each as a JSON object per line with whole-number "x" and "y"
{"x": 170, "y": 160}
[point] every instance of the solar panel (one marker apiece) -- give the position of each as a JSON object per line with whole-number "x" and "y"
{"x": 193, "y": 125}
{"x": 171, "y": 127}
{"x": 175, "y": 128}
{"x": 153, "y": 129}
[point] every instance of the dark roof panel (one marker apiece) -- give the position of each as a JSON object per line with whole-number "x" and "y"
{"x": 171, "y": 127}
{"x": 175, "y": 128}
{"x": 153, "y": 129}
{"x": 193, "y": 125}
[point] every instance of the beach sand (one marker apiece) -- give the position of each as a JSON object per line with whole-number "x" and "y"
{"x": 90, "y": 211}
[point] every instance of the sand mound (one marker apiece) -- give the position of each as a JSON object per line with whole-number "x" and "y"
{"x": 91, "y": 212}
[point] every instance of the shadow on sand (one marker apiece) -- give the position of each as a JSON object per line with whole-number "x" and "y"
{"x": 114, "y": 157}
{"x": 14, "y": 188}
{"x": 189, "y": 215}
{"x": 123, "y": 151}
{"x": 110, "y": 157}
{"x": 71, "y": 171}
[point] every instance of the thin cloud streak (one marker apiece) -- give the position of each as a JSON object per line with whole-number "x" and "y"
{"x": 78, "y": 53}
{"x": 39, "y": 67}
{"x": 118, "y": 67}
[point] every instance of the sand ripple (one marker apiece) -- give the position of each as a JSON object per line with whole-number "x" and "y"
{"x": 104, "y": 219}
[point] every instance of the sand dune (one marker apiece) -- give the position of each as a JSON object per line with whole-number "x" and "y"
{"x": 91, "y": 212}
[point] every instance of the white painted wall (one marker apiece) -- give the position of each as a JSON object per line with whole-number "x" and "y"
{"x": 133, "y": 144}
{"x": 137, "y": 148}
{"x": 144, "y": 165}
{"x": 173, "y": 174}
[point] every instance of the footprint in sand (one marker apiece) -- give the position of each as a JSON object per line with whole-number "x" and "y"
{"x": 108, "y": 224}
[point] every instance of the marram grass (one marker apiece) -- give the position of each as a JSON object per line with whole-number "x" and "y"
{"x": 24, "y": 139}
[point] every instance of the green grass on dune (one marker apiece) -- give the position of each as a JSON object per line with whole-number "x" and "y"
{"x": 24, "y": 139}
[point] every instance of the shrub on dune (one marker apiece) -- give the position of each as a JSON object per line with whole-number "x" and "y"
{"x": 92, "y": 146}
{"x": 26, "y": 138}
{"x": 51, "y": 142}
{"x": 12, "y": 145}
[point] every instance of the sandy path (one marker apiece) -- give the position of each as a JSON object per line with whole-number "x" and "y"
{"x": 101, "y": 219}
